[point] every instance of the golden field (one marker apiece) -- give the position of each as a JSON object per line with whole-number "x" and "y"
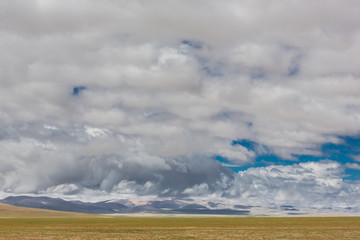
{"x": 27, "y": 223}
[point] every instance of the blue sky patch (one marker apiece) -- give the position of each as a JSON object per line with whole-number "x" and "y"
{"x": 245, "y": 143}
{"x": 343, "y": 153}
{"x": 77, "y": 90}
{"x": 193, "y": 44}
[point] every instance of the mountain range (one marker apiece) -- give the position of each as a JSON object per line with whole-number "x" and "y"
{"x": 128, "y": 206}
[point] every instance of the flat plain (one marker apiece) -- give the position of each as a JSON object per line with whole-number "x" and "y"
{"x": 26, "y": 223}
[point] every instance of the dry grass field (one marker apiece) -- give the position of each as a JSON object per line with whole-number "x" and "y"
{"x": 25, "y": 223}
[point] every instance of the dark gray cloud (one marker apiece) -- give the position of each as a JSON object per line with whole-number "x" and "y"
{"x": 123, "y": 98}
{"x": 97, "y": 160}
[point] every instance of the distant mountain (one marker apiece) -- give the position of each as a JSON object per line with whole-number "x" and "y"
{"x": 62, "y": 205}
{"x": 163, "y": 206}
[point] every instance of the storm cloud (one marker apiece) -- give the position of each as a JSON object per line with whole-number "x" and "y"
{"x": 133, "y": 98}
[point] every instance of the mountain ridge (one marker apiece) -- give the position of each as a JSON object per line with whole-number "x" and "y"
{"x": 118, "y": 206}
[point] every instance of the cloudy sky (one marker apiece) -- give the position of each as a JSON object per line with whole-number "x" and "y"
{"x": 246, "y": 100}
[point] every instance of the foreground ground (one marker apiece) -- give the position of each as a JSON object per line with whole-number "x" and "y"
{"x": 42, "y": 224}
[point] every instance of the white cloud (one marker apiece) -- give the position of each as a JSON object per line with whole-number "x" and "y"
{"x": 356, "y": 158}
{"x": 353, "y": 166}
{"x": 282, "y": 74}
{"x": 311, "y": 184}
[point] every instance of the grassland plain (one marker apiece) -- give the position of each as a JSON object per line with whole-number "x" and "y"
{"x": 44, "y": 224}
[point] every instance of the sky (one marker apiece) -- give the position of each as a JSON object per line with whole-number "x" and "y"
{"x": 253, "y": 101}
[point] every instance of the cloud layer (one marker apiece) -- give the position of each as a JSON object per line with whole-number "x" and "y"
{"x": 138, "y": 97}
